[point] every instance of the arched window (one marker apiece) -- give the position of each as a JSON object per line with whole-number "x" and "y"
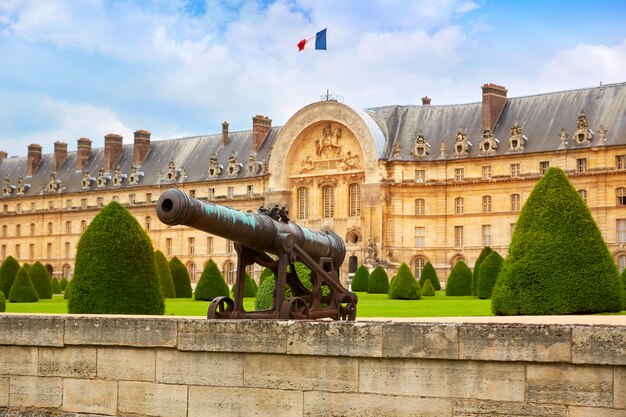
{"x": 621, "y": 196}
{"x": 458, "y": 205}
{"x": 191, "y": 268}
{"x": 229, "y": 273}
{"x": 486, "y": 204}
{"x": 583, "y": 195}
{"x": 418, "y": 267}
{"x": 420, "y": 206}
{"x": 303, "y": 203}
{"x": 328, "y": 202}
{"x": 515, "y": 202}
{"x": 148, "y": 222}
{"x": 621, "y": 262}
{"x": 355, "y": 200}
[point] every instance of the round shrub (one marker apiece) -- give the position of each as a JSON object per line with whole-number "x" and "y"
{"x": 23, "y": 290}
{"x": 3, "y": 303}
{"x": 429, "y": 274}
{"x": 266, "y": 273}
{"x": 558, "y": 262}
{"x": 428, "y": 290}
{"x": 63, "y": 283}
{"x": 180, "y": 278}
{"x": 8, "y": 272}
{"x": 378, "y": 282}
{"x": 211, "y": 283}
{"x": 483, "y": 255}
{"x": 404, "y": 286}
{"x": 488, "y": 273}
{"x": 166, "y": 285}
{"x": 56, "y": 287}
{"x": 40, "y": 277}
{"x": 265, "y": 292}
{"x": 460, "y": 280}
{"x": 361, "y": 279}
{"x": 115, "y": 272}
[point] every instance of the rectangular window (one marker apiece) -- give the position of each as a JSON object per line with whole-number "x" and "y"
{"x": 230, "y": 191}
{"x": 191, "y": 245}
{"x": 486, "y": 204}
{"x": 148, "y": 197}
{"x": 458, "y": 236}
{"x": 31, "y": 250}
{"x": 303, "y": 203}
{"x": 420, "y": 237}
{"x": 4, "y": 251}
{"x": 420, "y": 175}
{"x": 620, "y": 162}
{"x": 459, "y": 174}
{"x": 18, "y": 207}
{"x": 229, "y": 246}
{"x": 209, "y": 245}
{"x": 543, "y": 167}
{"x": 32, "y": 229}
{"x": 487, "y": 172}
{"x": 50, "y": 205}
{"x": 100, "y": 201}
{"x": 581, "y": 165}
{"x": 515, "y": 170}
{"x": 192, "y": 193}
{"x": 486, "y": 234}
{"x": 458, "y": 205}
{"x": 583, "y": 195}
{"x": 5, "y": 208}
{"x": 355, "y": 200}
{"x": 516, "y": 202}
{"x": 83, "y": 226}
{"x": 250, "y": 191}
{"x": 68, "y": 204}
{"x": 420, "y": 206}
{"x": 18, "y": 230}
{"x": 33, "y": 206}
{"x": 49, "y": 250}
{"x": 67, "y": 250}
{"x": 131, "y": 198}
{"x": 621, "y": 231}
{"x": 211, "y": 193}
{"x": 83, "y": 203}
{"x": 512, "y": 229}
{"x": 328, "y": 202}
{"x": 168, "y": 246}
{"x": 17, "y": 251}
{"x": 68, "y": 227}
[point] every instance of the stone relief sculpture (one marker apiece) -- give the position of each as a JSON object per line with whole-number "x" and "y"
{"x": 563, "y": 139}
{"x": 307, "y": 165}
{"x": 135, "y": 176}
{"x": 102, "y": 179}
{"x": 214, "y": 168}
{"x": 85, "y": 183}
{"x": 421, "y": 148}
{"x": 233, "y": 166}
{"x": 602, "y": 135}
{"x": 583, "y": 135}
{"x": 442, "y": 151}
{"x": 118, "y": 177}
{"x": 350, "y": 162}
{"x": 328, "y": 145}
{"x": 517, "y": 140}
{"x": 172, "y": 173}
{"x": 488, "y": 144}
{"x": 253, "y": 167}
{"x": 461, "y": 145}
{"x": 371, "y": 252}
{"x": 53, "y": 184}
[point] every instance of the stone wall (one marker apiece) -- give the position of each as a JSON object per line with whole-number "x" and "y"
{"x": 112, "y": 365}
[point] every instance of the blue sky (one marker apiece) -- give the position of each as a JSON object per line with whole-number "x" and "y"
{"x": 71, "y": 69}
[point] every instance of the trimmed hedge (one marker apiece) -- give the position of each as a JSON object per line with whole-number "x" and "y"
{"x": 404, "y": 286}
{"x": 483, "y": 255}
{"x": 429, "y": 273}
{"x": 180, "y": 278}
{"x": 558, "y": 262}
{"x": 8, "y": 272}
{"x": 63, "y": 283}
{"x": 360, "y": 281}
{"x": 460, "y": 280}
{"x": 166, "y": 285}
{"x": 23, "y": 290}
{"x": 211, "y": 283}
{"x": 56, "y": 287}
{"x": 40, "y": 277}
{"x": 266, "y": 273}
{"x": 428, "y": 290}
{"x": 379, "y": 281}
{"x": 115, "y": 272}
{"x": 3, "y": 303}
{"x": 265, "y": 293}
{"x": 488, "y": 273}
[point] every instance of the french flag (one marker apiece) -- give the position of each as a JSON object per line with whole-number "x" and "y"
{"x": 317, "y": 41}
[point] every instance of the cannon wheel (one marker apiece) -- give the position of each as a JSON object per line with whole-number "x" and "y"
{"x": 294, "y": 308}
{"x": 220, "y": 308}
{"x": 347, "y": 309}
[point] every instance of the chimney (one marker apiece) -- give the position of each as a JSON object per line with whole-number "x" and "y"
{"x": 60, "y": 154}
{"x": 112, "y": 150}
{"x": 3, "y": 155}
{"x": 34, "y": 158}
{"x": 261, "y": 126}
{"x": 83, "y": 153}
{"x": 425, "y": 101}
{"x": 142, "y": 146}
{"x": 224, "y": 132}
{"x": 494, "y": 99}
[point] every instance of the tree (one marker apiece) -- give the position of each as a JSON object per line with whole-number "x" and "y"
{"x": 56, "y": 287}
{"x": 624, "y": 288}
{"x": 68, "y": 291}
{"x": 115, "y": 272}
{"x": 266, "y": 273}
{"x": 379, "y": 281}
{"x": 404, "y": 286}
{"x": 429, "y": 273}
{"x": 8, "y": 272}
{"x": 23, "y": 290}
{"x": 360, "y": 282}
{"x": 180, "y": 278}
{"x": 460, "y": 280}
{"x": 428, "y": 290}
{"x": 3, "y": 303}
{"x": 63, "y": 283}
{"x": 488, "y": 273}
{"x": 483, "y": 255}
{"x": 166, "y": 285}
{"x": 211, "y": 283}
{"x": 40, "y": 277}
{"x": 558, "y": 262}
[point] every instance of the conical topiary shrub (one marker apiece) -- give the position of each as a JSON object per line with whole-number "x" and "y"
{"x": 40, "y": 277}
{"x": 361, "y": 279}
{"x": 115, "y": 272}
{"x": 3, "y": 303}
{"x": 68, "y": 290}
{"x": 483, "y": 255}
{"x": 166, "y": 285}
{"x": 489, "y": 269}
{"x": 26, "y": 266}
{"x": 180, "y": 278}
{"x": 63, "y": 283}
{"x": 56, "y": 287}
{"x": 404, "y": 286}
{"x": 23, "y": 290}
{"x": 265, "y": 293}
{"x": 378, "y": 282}
{"x": 8, "y": 272}
{"x": 558, "y": 262}
{"x": 429, "y": 273}
{"x": 460, "y": 280}
{"x": 624, "y": 289}
{"x": 211, "y": 283}
{"x": 266, "y": 273}
{"x": 249, "y": 287}
{"x": 428, "y": 290}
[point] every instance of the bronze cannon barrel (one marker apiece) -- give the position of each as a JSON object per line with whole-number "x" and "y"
{"x": 253, "y": 230}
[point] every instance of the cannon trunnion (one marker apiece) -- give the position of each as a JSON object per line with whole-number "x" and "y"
{"x": 256, "y": 235}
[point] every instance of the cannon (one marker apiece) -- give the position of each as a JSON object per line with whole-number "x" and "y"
{"x": 256, "y": 237}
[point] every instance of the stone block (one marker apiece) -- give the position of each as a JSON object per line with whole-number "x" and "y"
{"x": 90, "y": 396}
{"x": 199, "y": 368}
{"x": 595, "y": 412}
{"x": 77, "y": 362}
{"x": 146, "y": 398}
{"x": 301, "y": 372}
{"x": 515, "y": 342}
{"x": 619, "y": 386}
{"x": 138, "y": 364}
{"x": 328, "y": 404}
{"x": 599, "y": 345}
{"x": 421, "y": 340}
{"x": 570, "y": 384}
{"x": 441, "y": 378}
{"x": 335, "y": 338}
{"x": 255, "y": 402}
{"x": 31, "y": 391}
{"x": 31, "y": 330}
{"x": 474, "y": 408}
{"x": 4, "y": 391}
{"x": 18, "y": 360}
{"x": 120, "y": 331}
{"x": 250, "y": 336}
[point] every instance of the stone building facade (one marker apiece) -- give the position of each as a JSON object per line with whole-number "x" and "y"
{"x": 400, "y": 183}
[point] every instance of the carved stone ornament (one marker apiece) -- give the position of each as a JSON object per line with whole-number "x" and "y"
{"x": 233, "y": 166}
{"x": 397, "y": 150}
{"x": 371, "y": 252}
{"x": 53, "y": 184}
{"x": 118, "y": 177}
{"x": 85, "y": 183}
{"x": 102, "y": 179}
{"x": 517, "y": 140}
{"x": 7, "y": 188}
{"x": 563, "y": 139}
{"x": 358, "y": 177}
{"x": 328, "y": 145}
{"x": 182, "y": 174}
{"x": 421, "y": 148}
{"x": 302, "y": 182}
{"x": 488, "y": 144}
{"x": 172, "y": 173}
{"x": 583, "y": 135}
{"x": 602, "y": 135}
{"x": 253, "y": 167}
{"x": 21, "y": 187}
{"x": 350, "y": 162}
{"x": 308, "y": 165}
{"x": 327, "y": 180}
{"x": 135, "y": 176}
{"x": 461, "y": 145}
{"x": 442, "y": 151}
{"x": 353, "y": 235}
{"x": 214, "y": 168}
